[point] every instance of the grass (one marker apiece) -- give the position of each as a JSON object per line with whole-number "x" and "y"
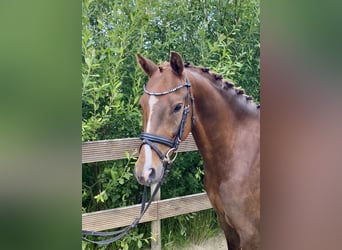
{"x": 193, "y": 228}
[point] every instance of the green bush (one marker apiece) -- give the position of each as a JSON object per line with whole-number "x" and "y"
{"x": 221, "y": 35}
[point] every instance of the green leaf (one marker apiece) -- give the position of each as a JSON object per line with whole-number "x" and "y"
{"x": 139, "y": 243}
{"x": 127, "y": 175}
{"x": 88, "y": 62}
{"x": 113, "y": 174}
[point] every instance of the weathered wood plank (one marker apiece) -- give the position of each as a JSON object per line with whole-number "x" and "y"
{"x": 115, "y": 149}
{"x": 156, "y": 224}
{"x": 120, "y": 217}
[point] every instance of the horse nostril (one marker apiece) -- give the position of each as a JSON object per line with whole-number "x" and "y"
{"x": 149, "y": 175}
{"x": 152, "y": 174}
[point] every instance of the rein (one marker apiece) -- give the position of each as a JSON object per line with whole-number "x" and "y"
{"x": 150, "y": 139}
{"x": 121, "y": 233}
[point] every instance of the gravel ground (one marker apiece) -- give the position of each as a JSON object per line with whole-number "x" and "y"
{"x": 215, "y": 243}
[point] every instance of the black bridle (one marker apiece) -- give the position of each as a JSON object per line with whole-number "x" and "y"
{"x": 150, "y": 139}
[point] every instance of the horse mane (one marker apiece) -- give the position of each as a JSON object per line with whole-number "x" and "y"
{"x": 227, "y": 85}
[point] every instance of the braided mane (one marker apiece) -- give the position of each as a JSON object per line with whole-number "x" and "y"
{"x": 219, "y": 82}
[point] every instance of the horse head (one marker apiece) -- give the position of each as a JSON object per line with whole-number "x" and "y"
{"x": 166, "y": 114}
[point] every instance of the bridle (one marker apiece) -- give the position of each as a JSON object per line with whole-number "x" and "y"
{"x": 150, "y": 139}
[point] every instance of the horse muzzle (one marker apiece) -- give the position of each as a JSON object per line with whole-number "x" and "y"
{"x": 146, "y": 178}
{"x": 148, "y": 168}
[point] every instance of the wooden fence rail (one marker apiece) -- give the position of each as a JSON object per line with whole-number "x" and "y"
{"x": 124, "y": 216}
{"x": 115, "y": 149}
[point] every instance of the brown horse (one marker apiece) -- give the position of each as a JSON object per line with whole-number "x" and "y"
{"x": 225, "y": 124}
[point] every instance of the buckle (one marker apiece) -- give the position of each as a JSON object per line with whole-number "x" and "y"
{"x": 168, "y": 154}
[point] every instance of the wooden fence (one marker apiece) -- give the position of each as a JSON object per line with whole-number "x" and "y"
{"x": 116, "y": 149}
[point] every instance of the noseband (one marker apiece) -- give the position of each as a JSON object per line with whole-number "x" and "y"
{"x": 150, "y": 139}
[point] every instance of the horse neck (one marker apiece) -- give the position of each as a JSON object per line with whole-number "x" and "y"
{"x": 218, "y": 116}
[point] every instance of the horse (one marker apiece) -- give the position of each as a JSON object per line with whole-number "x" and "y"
{"x": 225, "y": 123}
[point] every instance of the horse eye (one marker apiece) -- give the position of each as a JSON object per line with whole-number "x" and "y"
{"x": 177, "y": 108}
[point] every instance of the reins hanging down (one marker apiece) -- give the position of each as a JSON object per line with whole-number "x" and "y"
{"x": 121, "y": 233}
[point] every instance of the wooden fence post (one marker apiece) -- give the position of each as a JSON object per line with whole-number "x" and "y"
{"x": 155, "y": 225}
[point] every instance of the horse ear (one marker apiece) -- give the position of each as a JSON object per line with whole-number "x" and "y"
{"x": 147, "y": 65}
{"x": 176, "y": 63}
